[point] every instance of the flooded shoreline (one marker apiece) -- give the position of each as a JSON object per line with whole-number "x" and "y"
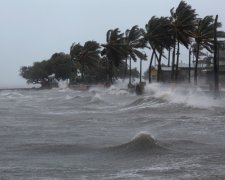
{"x": 111, "y": 134}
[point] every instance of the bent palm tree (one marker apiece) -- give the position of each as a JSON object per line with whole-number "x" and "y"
{"x": 183, "y": 21}
{"x": 204, "y": 37}
{"x": 133, "y": 42}
{"x": 85, "y": 56}
{"x": 75, "y": 50}
{"x": 114, "y": 49}
{"x": 158, "y": 36}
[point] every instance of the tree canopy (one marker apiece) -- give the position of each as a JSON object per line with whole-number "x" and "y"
{"x": 98, "y": 62}
{"x": 59, "y": 65}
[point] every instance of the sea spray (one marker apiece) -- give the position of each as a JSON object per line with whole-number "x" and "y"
{"x": 144, "y": 138}
{"x": 183, "y": 94}
{"x": 96, "y": 99}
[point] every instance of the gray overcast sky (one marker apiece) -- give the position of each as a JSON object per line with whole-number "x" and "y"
{"x": 32, "y": 30}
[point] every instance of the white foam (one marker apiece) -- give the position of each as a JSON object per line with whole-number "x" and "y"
{"x": 96, "y": 98}
{"x": 12, "y": 95}
{"x": 144, "y": 137}
{"x": 63, "y": 84}
{"x": 183, "y": 94}
{"x": 68, "y": 97}
{"x": 118, "y": 88}
{"x": 124, "y": 174}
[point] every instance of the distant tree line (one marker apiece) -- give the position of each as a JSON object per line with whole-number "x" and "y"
{"x": 61, "y": 67}
{"x": 94, "y": 62}
{"x": 59, "y": 64}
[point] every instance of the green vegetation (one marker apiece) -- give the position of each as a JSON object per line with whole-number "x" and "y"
{"x": 94, "y": 62}
{"x": 59, "y": 64}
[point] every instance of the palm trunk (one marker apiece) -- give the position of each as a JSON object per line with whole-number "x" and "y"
{"x": 140, "y": 69}
{"x": 196, "y": 64}
{"x": 130, "y": 72}
{"x": 150, "y": 67}
{"x": 215, "y": 59}
{"x": 159, "y": 67}
{"x": 82, "y": 72}
{"x": 107, "y": 71}
{"x": 218, "y": 58}
{"x": 178, "y": 55}
{"x": 189, "y": 67}
{"x": 173, "y": 60}
{"x": 169, "y": 58}
{"x": 125, "y": 71}
{"x": 110, "y": 71}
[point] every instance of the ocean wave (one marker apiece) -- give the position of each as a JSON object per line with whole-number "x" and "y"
{"x": 97, "y": 99}
{"x": 116, "y": 90}
{"x": 55, "y": 148}
{"x": 147, "y": 100}
{"x": 75, "y": 98}
{"x": 141, "y": 143}
{"x": 184, "y": 94}
{"x": 13, "y": 95}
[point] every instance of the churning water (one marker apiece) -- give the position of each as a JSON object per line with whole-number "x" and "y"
{"x": 167, "y": 133}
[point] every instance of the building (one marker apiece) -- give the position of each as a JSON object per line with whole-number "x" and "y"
{"x": 183, "y": 72}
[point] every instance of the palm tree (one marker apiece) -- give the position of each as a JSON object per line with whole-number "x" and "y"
{"x": 85, "y": 56}
{"x": 75, "y": 50}
{"x": 204, "y": 38}
{"x": 215, "y": 59}
{"x": 152, "y": 36}
{"x": 158, "y": 35}
{"x": 182, "y": 21}
{"x": 114, "y": 49}
{"x": 133, "y": 42}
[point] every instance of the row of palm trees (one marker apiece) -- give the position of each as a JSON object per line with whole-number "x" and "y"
{"x": 160, "y": 34}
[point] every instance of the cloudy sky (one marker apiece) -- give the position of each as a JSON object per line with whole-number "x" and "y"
{"x": 32, "y": 30}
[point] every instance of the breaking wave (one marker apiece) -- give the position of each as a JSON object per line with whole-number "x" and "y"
{"x": 146, "y": 100}
{"x": 97, "y": 99}
{"x": 12, "y": 95}
{"x": 183, "y": 94}
{"x": 159, "y": 94}
{"x": 141, "y": 143}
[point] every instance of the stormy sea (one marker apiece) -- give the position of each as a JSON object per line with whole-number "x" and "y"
{"x": 110, "y": 134}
